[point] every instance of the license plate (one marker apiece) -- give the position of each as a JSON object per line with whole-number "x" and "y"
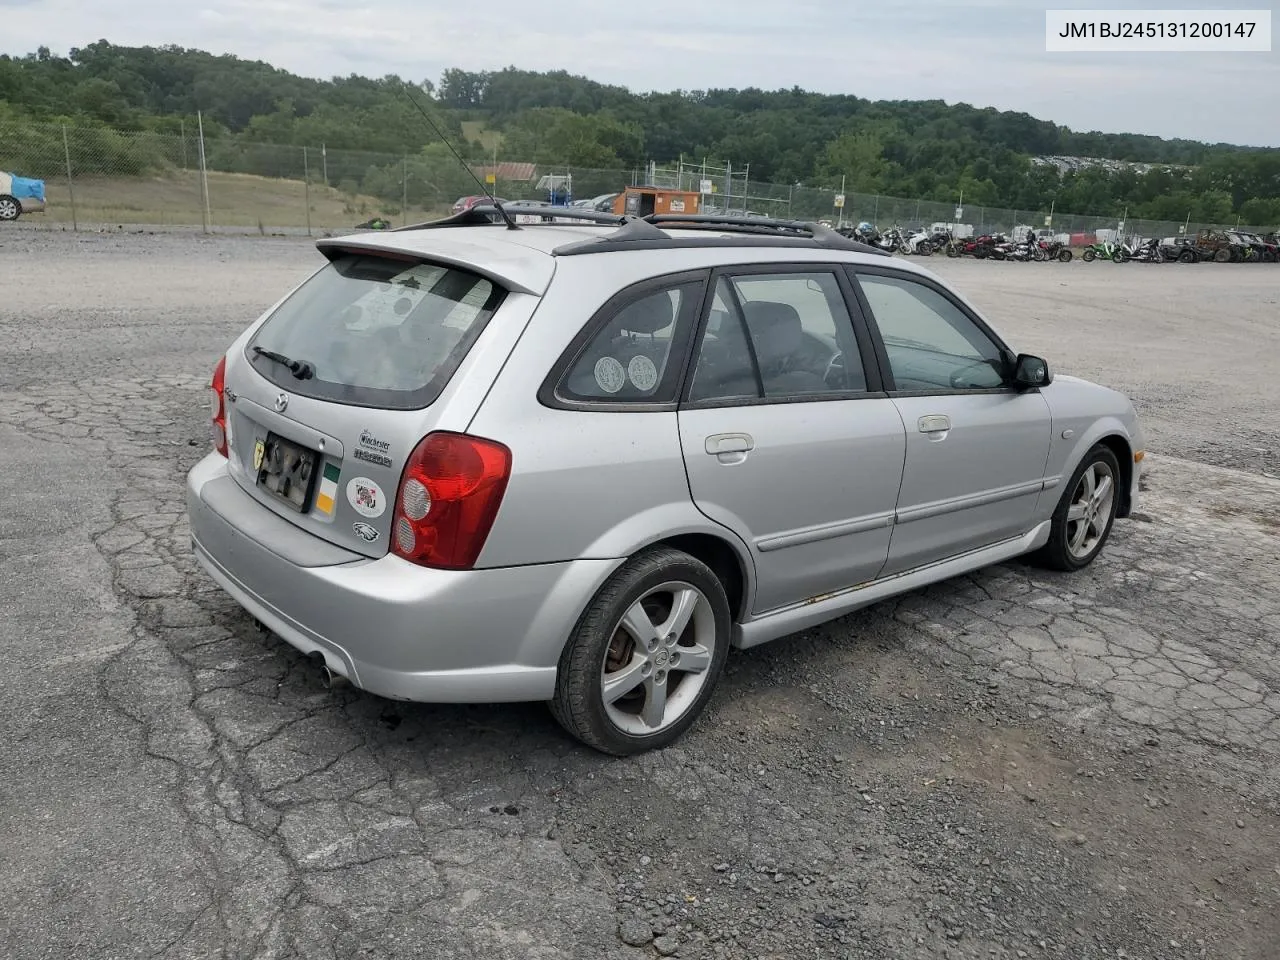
{"x": 286, "y": 471}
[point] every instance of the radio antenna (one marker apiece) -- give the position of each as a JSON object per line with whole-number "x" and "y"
{"x": 506, "y": 217}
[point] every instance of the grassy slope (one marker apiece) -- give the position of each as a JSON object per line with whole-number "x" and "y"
{"x": 476, "y": 130}
{"x": 234, "y": 199}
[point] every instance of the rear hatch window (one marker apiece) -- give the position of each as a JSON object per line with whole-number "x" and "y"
{"x": 373, "y": 331}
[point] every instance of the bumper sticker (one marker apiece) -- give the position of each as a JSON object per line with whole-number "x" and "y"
{"x": 366, "y": 497}
{"x": 328, "y": 492}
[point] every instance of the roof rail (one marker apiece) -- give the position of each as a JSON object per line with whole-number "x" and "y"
{"x": 818, "y": 233}
{"x": 482, "y": 214}
{"x": 647, "y": 234}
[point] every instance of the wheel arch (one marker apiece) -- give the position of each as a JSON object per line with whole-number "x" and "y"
{"x": 725, "y": 562}
{"x": 1120, "y": 446}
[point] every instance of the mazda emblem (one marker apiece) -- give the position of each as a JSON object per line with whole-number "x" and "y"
{"x": 282, "y": 401}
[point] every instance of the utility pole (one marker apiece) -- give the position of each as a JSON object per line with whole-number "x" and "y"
{"x": 306, "y": 187}
{"x": 66, "y": 147}
{"x": 204, "y": 175}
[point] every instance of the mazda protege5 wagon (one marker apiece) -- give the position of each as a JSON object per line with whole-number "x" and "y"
{"x": 579, "y": 460}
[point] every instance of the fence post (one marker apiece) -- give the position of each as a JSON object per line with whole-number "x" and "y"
{"x": 404, "y": 188}
{"x": 71, "y": 190}
{"x": 306, "y": 187}
{"x": 205, "y": 211}
{"x": 182, "y": 133}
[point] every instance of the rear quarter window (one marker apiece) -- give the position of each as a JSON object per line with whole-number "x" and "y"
{"x": 635, "y": 356}
{"x": 377, "y": 332}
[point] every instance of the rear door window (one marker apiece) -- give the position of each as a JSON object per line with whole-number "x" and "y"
{"x": 377, "y": 332}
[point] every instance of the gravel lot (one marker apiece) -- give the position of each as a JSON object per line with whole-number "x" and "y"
{"x": 1011, "y": 764}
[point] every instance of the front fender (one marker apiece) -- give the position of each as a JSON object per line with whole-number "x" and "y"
{"x": 1085, "y": 414}
{"x": 1072, "y": 450}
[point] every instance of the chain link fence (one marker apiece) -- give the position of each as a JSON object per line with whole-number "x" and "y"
{"x": 99, "y": 179}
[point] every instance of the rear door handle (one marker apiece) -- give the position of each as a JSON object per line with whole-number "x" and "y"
{"x": 730, "y": 447}
{"x": 934, "y": 423}
{"x": 730, "y": 443}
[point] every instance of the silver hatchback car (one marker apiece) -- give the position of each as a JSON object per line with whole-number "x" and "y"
{"x": 577, "y": 461}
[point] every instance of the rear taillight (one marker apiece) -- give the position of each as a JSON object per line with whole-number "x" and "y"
{"x": 449, "y": 496}
{"x": 218, "y": 407}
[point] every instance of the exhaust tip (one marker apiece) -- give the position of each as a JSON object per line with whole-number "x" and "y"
{"x": 332, "y": 680}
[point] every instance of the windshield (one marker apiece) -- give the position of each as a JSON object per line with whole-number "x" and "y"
{"x": 375, "y": 331}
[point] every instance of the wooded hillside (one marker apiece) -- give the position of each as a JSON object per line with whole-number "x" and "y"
{"x": 921, "y": 149}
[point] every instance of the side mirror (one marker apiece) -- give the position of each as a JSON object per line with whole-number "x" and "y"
{"x": 1030, "y": 372}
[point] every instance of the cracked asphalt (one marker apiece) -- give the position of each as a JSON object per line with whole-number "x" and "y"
{"x": 1010, "y": 764}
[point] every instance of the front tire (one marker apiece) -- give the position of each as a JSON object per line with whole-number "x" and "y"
{"x": 10, "y": 209}
{"x": 644, "y": 659}
{"x": 1085, "y": 515}
{"x": 1089, "y": 256}
{"x": 1064, "y": 256}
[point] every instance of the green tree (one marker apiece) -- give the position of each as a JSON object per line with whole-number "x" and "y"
{"x": 858, "y": 158}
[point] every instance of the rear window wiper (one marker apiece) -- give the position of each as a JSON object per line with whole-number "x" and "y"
{"x": 302, "y": 369}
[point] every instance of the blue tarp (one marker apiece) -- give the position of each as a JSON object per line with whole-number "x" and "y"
{"x": 25, "y": 188}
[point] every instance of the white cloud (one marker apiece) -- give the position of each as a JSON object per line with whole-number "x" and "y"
{"x": 984, "y": 52}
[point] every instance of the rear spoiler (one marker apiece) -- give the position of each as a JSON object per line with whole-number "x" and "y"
{"x": 335, "y": 247}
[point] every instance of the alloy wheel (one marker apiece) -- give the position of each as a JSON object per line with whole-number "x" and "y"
{"x": 658, "y": 658}
{"x": 1090, "y": 512}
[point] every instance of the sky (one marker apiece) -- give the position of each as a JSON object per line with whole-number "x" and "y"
{"x": 983, "y": 52}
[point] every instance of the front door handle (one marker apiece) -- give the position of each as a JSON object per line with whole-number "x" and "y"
{"x": 730, "y": 447}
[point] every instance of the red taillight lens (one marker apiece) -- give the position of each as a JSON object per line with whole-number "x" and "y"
{"x": 218, "y": 407}
{"x": 449, "y": 496}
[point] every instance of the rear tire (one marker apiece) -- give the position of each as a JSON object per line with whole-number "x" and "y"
{"x": 1186, "y": 256}
{"x": 1084, "y": 516}
{"x": 1089, "y": 256}
{"x": 1064, "y": 256}
{"x": 10, "y": 208}
{"x": 1222, "y": 255}
{"x": 643, "y": 661}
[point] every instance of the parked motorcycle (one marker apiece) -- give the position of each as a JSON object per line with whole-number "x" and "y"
{"x": 1105, "y": 250}
{"x": 979, "y": 248}
{"x": 1146, "y": 251}
{"x": 1056, "y": 250}
{"x": 1023, "y": 252}
{"x": 891, "y": 240}
{"x": 919, "y": 242}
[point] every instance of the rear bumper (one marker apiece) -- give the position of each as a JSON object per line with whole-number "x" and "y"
{"x": 389, "y": 626}
{"x": 31, "y": 205}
